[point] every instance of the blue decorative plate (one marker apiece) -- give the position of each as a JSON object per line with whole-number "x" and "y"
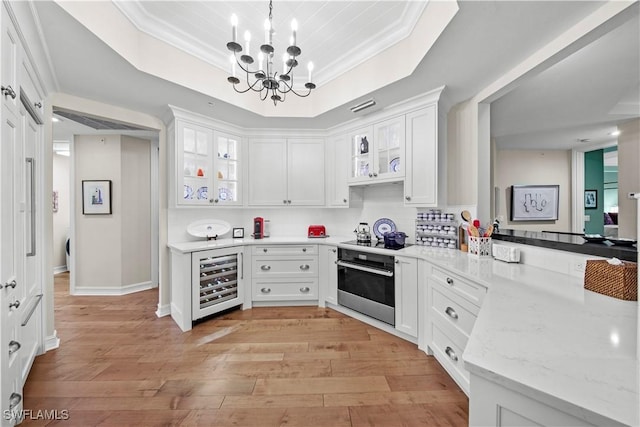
{"x": 394, "y": 165}
{"x": 225, "y": 194}
{"x": 383, "y": 225}
{"x": 202, "y": 193}
{"x": 188, "y": 192}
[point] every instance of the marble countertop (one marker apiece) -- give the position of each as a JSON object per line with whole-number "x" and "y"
{"x": 538, "y": 331}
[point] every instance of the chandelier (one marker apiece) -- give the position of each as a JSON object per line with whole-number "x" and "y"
{"x": 268, "y": 81}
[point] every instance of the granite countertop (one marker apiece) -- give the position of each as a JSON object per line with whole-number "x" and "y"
{"x": 537, "y": 332}
{"x": 568, "y": 242}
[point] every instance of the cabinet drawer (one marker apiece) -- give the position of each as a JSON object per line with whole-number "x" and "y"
{"x": 285, "y": 289}
{"x": 465, "y": 288}
{"x": 285, "y": 267}
{"x": 461, "y": 315}
{"x": 449, "y": 353}
{"x": 285, "y": 250}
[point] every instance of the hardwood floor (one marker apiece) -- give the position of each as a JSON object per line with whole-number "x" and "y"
{"x": 118, "y": 364}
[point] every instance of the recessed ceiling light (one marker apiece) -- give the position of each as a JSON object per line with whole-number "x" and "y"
{"x": 614, "y": 133}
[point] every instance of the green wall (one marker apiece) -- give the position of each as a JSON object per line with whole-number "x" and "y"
{"x": 594, "y": 180}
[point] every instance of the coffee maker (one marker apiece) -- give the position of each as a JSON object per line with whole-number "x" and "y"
{"x": 260, "y": 228}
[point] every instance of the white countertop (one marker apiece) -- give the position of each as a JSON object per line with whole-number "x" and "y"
{"x": 538, "y": 331}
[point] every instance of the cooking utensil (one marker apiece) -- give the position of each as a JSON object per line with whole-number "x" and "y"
{"x": 473, "y": 231}
{"x": 394, "y": 239}
{"x": 489, "y": 231}
{"x": 466, "y": 216}
{"x": 363, "y": 233}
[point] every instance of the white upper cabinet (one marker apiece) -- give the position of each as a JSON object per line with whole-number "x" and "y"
{"x": 377, "y": 152}
{"x": 209, "y": 163}
{"x": 337, "y": 151}
{"x": 286, "y": 172}
{"x": 421, "y": 179}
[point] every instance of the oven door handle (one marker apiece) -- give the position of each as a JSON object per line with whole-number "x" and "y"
{"x": 377, "y": 271}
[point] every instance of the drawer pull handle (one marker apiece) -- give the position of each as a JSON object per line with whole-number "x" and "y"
{"x": 450, "y": 281}
{"x": 304, "y": 249}
{"x": 304, "y": 267}
{"x": 14, "y": 346}
{"x": 14, "y": 400}
{"x": 264, "y": 250}
{"x": 451, "y": 313}
{"x": 14, "y": 304}
{"x": 452, "y": 354}
{"x": 12, "y": 284}
{"x": 265, "y": 267}
{"x": 265, "y": 290}
{"x": 305, "y": 289}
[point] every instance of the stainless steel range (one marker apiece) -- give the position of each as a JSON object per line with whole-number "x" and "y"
{"x": 366, "y": 283}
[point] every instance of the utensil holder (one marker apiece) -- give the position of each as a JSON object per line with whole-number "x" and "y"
{"x": 480, "y": 246}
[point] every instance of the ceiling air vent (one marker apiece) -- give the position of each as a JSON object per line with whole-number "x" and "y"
{"x": 363, "y": 105}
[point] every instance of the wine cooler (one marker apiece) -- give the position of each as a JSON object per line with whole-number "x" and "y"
{"x": 217, "y": 276}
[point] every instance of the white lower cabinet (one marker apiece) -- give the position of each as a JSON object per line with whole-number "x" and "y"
{"x": 406, "y": 295}
{"x": 328, "y": 275}
{"x": 450, "y": 307}
{"x": 284, "y": 273}
{"x": 492, "y": 404}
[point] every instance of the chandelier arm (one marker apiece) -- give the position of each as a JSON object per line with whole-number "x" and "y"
{"x": 266, "y": 93}
{"x": 251, "y": 86}
{"x": 291, "y": 89}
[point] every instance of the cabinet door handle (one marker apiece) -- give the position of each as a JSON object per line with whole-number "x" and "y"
{"x": 452, "y": 354}
{"x": 304, "y": 249}
{"x": 451, "y": 313}
{"x": 11, "y": 284}
{"x": 408, "y": 198}
{"x": 289, "y": 201}
{"x": 265, "y": 290}
{"x": 344, "y": 200}
{"x": 334, "y": 250}
{"x": 304, "y": 267}
{"x": 14, "y": 304}
{"x": 14, "y": 346}
{"x": 305, "y": 289}
{"x": 370, "y": 175}
{"x": 37, "y": 104}
{"x": 375, "y": 174}
{"x": 215, "y": 200}
{"x": 397, "y": 261}
{"x": 450, "y": 281}
{"x": 8, "y": 90}
{"x": 284, "y": 201}
{"x": 14, "y": 400}
{"x": 265, "y": 267}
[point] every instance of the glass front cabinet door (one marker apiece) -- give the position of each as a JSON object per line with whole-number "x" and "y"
{"x": 362, "y": 167}
{"x": 209, "y": 166}
{"x": 389, "y": 139}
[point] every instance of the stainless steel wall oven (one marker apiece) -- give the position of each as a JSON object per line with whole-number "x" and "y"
{"x": 366, "y": 283}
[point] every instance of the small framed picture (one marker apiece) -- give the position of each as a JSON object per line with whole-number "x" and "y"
{"x": 96, "y": 197}
{"x": 238, "y": 233}
{"x": 591, "y": 199}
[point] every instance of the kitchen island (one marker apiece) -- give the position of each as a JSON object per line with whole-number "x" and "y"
{"x": 541, "y": 344}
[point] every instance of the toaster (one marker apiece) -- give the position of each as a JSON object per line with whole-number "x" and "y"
{"x": 317, "y": 231}
{"x": 505, "y": 253}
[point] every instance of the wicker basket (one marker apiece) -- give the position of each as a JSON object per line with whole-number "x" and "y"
{"x": 618, "y": 281}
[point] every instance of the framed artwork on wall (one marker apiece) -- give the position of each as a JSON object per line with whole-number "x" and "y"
{"x": 591, "y": 199}
{"x": 534, "y": 202}
{"x": 96, "y": 197}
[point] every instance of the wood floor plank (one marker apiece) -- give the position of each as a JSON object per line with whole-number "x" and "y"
{"x": 321, "y": 385}
{"x": 120, "y": 365}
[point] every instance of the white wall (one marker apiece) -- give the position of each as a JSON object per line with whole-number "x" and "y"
{"x": 136, "y": 210}
{"x": 628, "y": 177}
{"x": 98, "y": 238}
{"x": 534, "y": 167}
{"x": 61, "y": 219}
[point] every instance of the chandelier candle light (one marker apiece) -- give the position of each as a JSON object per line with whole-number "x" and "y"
{"x": 267, "y": 81}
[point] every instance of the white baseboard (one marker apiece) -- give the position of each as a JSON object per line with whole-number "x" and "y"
{"x": 163, "y": 310}
{"x": 127, "y": 289}
{"x": 51, "y": 342}
{"x": 60, "y": 269}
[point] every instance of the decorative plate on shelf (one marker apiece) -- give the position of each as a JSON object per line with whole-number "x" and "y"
{"x": 594, "y": 238}
{"x": 208, "y": 228}
{"x": 188, "y": 192}
{"x": 225, "y": 194}
{"x": 622, "y": 241}
{"x": 202, "y": 193}
{"x": 394, "y": 165}
{"x": 383, "y": 225}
